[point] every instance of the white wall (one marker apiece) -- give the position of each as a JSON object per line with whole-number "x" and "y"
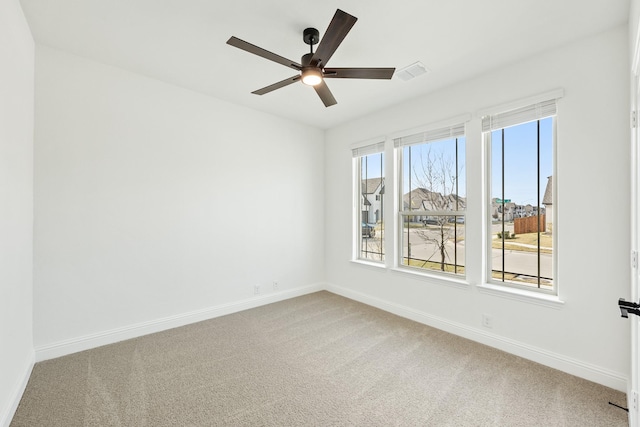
{"x": 586, "y": 336}
{"x": 634, "y": 17}
{"x": 153, "y": 201}
{"x": 16, "y": 205}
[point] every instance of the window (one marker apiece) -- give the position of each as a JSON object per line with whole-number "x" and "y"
{"x": 369, "y": 166}
{"x": 520, "y": 221}
{"x": 432, "y": 200}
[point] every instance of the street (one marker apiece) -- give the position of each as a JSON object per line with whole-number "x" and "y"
{"x": 424, "y": 246}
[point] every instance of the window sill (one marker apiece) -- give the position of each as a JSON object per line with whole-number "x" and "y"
{"x": 372, "y": 264}
{"x": 531, "y": 297}
{"x": 433, "y": 278}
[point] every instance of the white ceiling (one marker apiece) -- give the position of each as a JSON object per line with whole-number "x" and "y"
{"x": 183, "y": 42}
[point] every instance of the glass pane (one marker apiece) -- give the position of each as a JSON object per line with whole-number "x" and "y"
{"x": 434, "y": 242}
{"x": 372, "y": 192}
{"x": 434, "y": 179}
{"x": 521, "y": 204}
{"x": 433, "y": 174}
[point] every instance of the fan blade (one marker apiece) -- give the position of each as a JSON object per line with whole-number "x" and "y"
{"x": 358, "y": 73}
{"x": 241, "y": 44}
{"x": 325, "y": 94}
{"x": 338, "y": 29}
{"x": 271, "y": 88}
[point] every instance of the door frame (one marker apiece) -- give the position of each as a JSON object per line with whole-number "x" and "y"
{"x": 634, "y": 382}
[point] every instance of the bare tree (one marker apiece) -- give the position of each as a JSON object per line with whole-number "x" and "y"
{"x": 436, "y": 179}
{"x": 374, "y": 245}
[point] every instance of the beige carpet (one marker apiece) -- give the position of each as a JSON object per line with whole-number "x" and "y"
{"x": 316, "y": 360}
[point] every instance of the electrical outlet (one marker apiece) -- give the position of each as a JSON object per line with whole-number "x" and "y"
{"x": 487, "y": 321}
{"x": 275, "y": 285}
{"x": 256, "y": 289}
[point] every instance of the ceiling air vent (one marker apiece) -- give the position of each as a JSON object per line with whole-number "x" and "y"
{"x": 411, "y": 71}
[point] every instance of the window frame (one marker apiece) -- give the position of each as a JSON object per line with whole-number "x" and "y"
{"x": 451, "y": 129}
{"x": 541, "y": 109}
{"x": 358, "y": 153}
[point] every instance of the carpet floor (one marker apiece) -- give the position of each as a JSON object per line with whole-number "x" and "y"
{"x": 315, "y": 360}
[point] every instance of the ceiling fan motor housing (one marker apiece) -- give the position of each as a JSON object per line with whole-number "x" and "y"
{"x": 311, "y": 36}
{"x": 305, "y": 61}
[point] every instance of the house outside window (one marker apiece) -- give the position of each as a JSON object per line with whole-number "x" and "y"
{"x": 520, "y": 145}
{"x": 370, "y": 190}
{"x": 432, "y": 188}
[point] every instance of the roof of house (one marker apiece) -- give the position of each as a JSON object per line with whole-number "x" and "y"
{"x": 369, "y": 186}
{"x": 423, "y": 199}
{"x": 547, "y": 200}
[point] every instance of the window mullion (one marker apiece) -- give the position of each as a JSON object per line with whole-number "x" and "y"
{"x": 503, "y": 207}
{"x": 538, "y": 191}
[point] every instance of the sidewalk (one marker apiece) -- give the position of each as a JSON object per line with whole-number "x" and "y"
{"x": 524, "y": 245}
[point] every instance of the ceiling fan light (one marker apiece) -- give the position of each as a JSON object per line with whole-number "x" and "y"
{"x": 311, "y": 76}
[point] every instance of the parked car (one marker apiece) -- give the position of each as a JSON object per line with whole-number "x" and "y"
{"x": 458, "y": 219}
{"x": 368, "y": 230}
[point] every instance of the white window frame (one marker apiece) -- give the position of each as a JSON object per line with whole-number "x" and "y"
{"x": 513, "y": 114}
{"x": 440, "y": 131}
{"x": 358, "y": 152}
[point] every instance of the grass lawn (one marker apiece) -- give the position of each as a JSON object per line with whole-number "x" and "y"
{"x": 546, "y": 241}
{"x": 431, "y": 265}
{"x": 511, "y": 277}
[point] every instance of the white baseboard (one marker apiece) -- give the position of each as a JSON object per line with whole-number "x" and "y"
{"x": 87, "y": 342}
{"x": 563, "y": 363}
{"x": 18, "y": 390}
{"x": 566, "y": 364}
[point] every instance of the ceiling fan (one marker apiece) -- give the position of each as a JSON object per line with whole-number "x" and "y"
{"x": 312, "y": 67}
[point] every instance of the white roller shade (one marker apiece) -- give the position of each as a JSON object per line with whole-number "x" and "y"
{"x": 432, "y": 135}
{"x": 368, "y": 149}
{"x": 537, "y": 111}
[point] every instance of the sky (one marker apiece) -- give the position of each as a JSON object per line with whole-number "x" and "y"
{"x": 520, "y": 160}
{"x": 372, "y": 166}
{"x": 442, "y": 154}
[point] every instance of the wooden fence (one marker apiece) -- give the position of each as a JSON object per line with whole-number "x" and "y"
{"x": 529, "y": 224}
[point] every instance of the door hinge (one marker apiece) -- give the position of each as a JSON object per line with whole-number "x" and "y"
{"x": 628, "y": 307}
{"x": 634, "y": 119}
{"x": 634, "y": 260}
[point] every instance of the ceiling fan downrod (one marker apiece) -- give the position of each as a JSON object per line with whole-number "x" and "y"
{"x": 311, "y": 36}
